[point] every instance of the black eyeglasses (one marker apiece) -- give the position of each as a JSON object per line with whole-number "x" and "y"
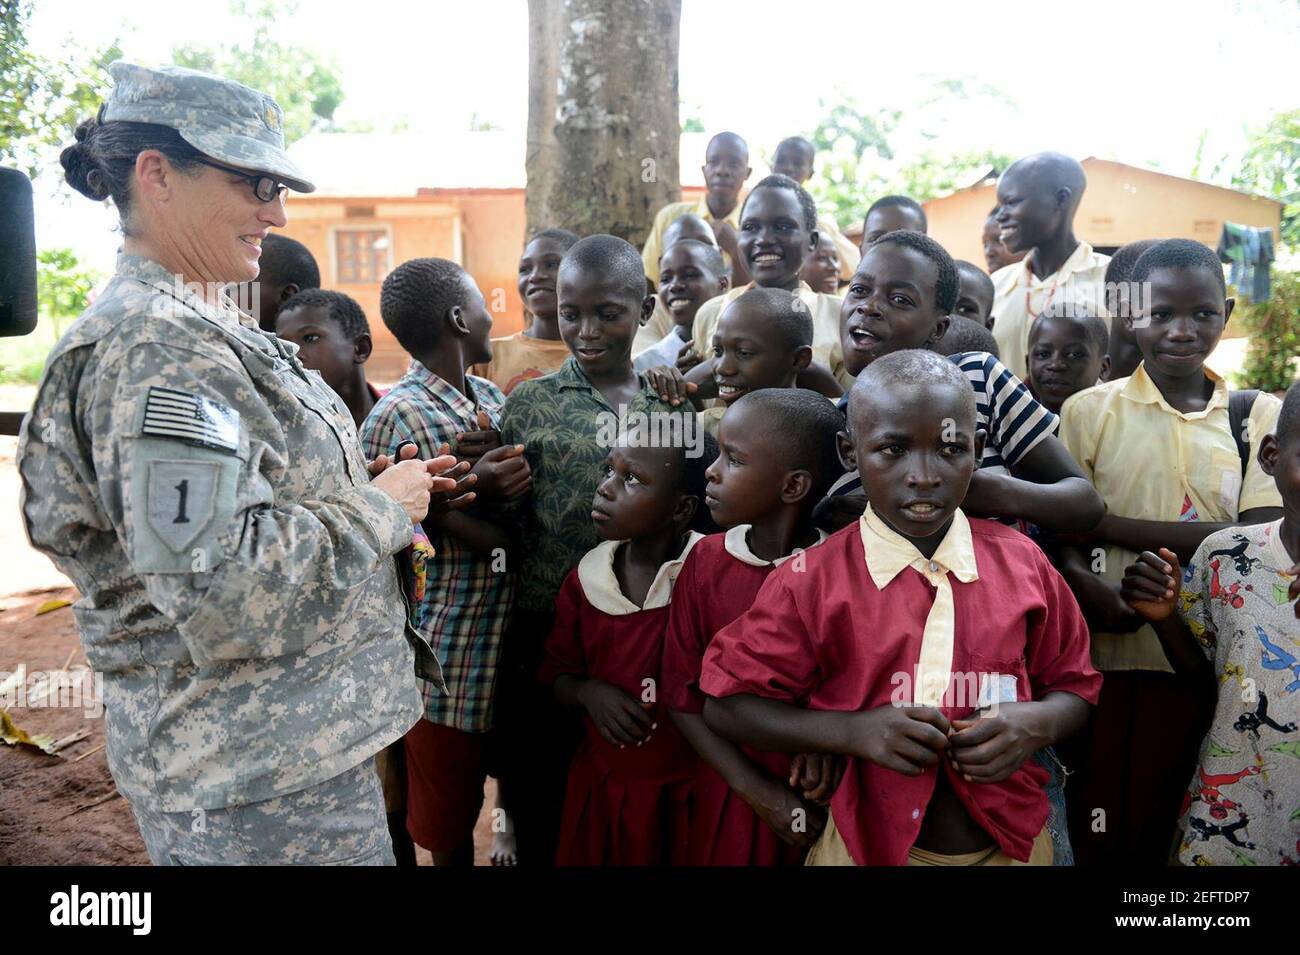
{"x": 265, "y": 188}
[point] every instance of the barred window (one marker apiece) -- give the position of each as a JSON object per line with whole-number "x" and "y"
{"x": 362, "y": 255}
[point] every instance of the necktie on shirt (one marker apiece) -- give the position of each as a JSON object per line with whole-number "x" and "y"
{"x": 887, "y": 554}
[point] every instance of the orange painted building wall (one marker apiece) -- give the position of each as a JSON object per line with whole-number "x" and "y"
{"x": 480, "y": 231}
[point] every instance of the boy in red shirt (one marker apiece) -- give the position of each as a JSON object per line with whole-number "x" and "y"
{"x": 938, "y": 653}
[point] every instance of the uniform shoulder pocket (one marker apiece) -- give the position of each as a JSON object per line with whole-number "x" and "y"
{"x": 182, "y": 501}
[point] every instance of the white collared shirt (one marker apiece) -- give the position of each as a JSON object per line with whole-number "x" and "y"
{"x": 600, "y": 583}
{"x": 1019, "y": 297}
{"x": 736, "y": 543}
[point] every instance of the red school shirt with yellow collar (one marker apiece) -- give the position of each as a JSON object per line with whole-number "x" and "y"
{"x": 825, "y": 637}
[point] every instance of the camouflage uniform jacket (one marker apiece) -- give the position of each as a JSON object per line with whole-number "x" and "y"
{"x": 208, "y": 497}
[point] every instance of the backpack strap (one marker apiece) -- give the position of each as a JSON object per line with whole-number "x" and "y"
{"x": 1239, "y": 405}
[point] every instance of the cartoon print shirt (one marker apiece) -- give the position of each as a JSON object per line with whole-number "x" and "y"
{"x": 1243, "y": 803}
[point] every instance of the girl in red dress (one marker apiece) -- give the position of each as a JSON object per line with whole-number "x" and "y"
{"x": 629, "y": 784}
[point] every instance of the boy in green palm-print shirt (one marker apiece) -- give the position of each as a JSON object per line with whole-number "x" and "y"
{"x": 566, "y": 422}
{"x": 562, "y": 420}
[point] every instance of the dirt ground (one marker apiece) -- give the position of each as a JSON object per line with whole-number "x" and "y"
{"x": 65, "y": 809}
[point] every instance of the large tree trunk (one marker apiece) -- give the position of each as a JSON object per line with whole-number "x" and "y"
{"x": 602, "y": 114}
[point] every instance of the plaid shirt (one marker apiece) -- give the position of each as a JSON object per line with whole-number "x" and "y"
{"x": 466, "y": 603}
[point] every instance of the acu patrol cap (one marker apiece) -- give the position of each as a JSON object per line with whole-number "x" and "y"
{"x": 220, "y": 118}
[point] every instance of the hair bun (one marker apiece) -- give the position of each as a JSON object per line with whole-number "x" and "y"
{"x": 79, "y": 166}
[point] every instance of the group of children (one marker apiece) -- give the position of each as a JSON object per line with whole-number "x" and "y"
{"x": 755, "y": 565}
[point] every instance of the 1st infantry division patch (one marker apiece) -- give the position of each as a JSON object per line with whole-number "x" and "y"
{"x": 193, "y": 419}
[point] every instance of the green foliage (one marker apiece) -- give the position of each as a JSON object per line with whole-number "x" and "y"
{"x": 22, "y": 360}
{"x": 856, "y": 151}
{"x": 62, "y": 285}
{"x": 932, "y": 174}
{"x": 43, "y": 98}
{"x": 1274, "y": 330}
{"x": 846, "y": 170}
{"x": 305, "y": 84}
{"x": 1271, "y": 167}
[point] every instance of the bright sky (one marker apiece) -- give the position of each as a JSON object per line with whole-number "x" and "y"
{"x": 1135, "y": 81}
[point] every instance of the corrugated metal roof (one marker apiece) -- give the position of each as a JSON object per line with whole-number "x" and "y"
{"x": 1093, "y": 162}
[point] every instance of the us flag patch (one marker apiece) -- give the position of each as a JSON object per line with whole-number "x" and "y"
{"x": 181, "y": 416}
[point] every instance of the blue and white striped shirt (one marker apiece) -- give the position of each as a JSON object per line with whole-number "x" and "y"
{"x": 1009, "y": 415}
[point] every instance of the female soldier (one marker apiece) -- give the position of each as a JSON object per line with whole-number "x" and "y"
{"x": 209, "y": 499}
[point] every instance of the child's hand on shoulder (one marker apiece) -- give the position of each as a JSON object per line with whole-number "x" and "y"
{"x": 987, "y": 495}
{"x": 833, "y": 513}
{"x": 619, "y": 716}
{"x": 670, "y": 385}
{"x": 1151, "y": 584}
{"x": 817, "y": 775}
{"x": 989, "y": 748}
{"x": 906, "y": 739}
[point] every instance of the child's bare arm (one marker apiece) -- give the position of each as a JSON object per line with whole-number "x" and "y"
{"x": 817, "y": 377}
{"x": 672, "y": 386}
{"x": 1181, "y": 538}
{"x": 773, "y": 801}
{"x": 701, "y": 376}
{"x": 990, "y": 748}
{"x": 1048, "y": 490}
{"x": 1151, "y": 587}
{"x": 907, "y": 739}
{"x": 1099, "y": 599}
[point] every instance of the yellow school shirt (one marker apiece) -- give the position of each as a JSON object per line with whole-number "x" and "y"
{"x": 849, "y": 254}
{"x": 1019, "y": 297}
{"x": 653, "y": 248}
{"x": 518, "y": 357}
{"x": 825, "y": 311}
{"x": 711, "y": 419}
{"x": 1150, "y": 462}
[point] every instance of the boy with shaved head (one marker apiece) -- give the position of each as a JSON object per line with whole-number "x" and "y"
{"x": 287, "y": 268}
{"x": 726, "y": 167}
{"x": 561, "y": 420}
{"x": 662, "y": 321}
{"x": 1037, "y": 199}
{"x": 794, "y": 157}
{"x": 936, "y": 652}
